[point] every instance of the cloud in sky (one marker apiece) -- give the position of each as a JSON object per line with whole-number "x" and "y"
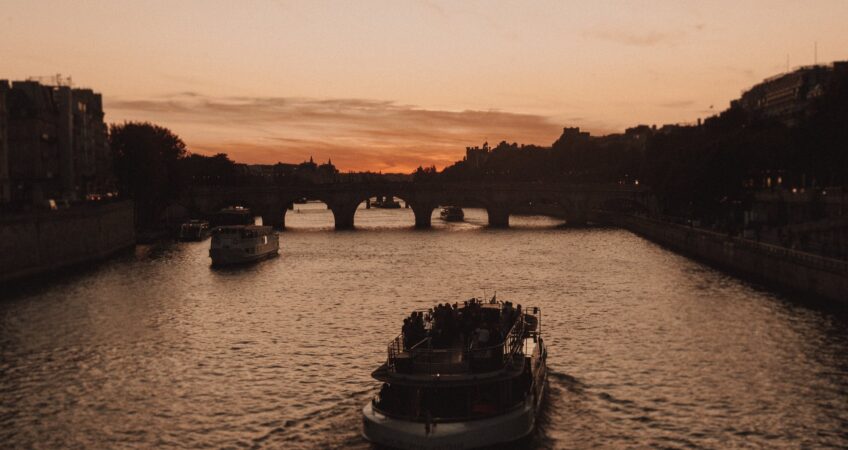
{"x": 677, "y": 104}
{"x": 646, "y": 38}
{"x": 358, "y": 134}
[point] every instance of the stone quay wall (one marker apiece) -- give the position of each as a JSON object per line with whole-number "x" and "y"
{"x": 801, "y": 272}
{"x": 42, "y": 241}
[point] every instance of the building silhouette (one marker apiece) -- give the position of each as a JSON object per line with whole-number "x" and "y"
{"x": 53, "y": 143}
{"x": 5, "y": 182}
{"x": 787, "y": 96}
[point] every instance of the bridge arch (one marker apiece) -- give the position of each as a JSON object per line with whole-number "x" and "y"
{"x": 345, "y": 206}
{"x": 286, "y": 203}
{"x": 576, "y": 202}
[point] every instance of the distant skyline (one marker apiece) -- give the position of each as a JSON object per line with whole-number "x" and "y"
{"x": 390, "y": 85}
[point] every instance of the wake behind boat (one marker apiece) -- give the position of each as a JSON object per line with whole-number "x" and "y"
{"x": 460, "y": 376}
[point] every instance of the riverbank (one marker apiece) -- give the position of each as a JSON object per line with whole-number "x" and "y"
{"x": 42, "y": 241}
{"x": 802, "y": 272}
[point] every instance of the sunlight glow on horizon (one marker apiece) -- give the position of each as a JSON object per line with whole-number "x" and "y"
{"x": 391, "y": 85}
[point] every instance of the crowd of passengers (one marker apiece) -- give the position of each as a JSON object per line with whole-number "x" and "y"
{"x": 469, "y": 325}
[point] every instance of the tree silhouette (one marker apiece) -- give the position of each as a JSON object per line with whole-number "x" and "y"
{"x": 146, "y": 159}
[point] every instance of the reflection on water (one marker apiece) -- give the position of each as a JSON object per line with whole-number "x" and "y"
{"x": 647, "y": 348}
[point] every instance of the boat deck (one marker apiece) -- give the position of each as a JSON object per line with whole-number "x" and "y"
{"x": 464, "y": 358}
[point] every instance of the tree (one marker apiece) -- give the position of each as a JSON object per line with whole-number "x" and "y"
{"x": 146, "y": 158}
{"x": 217, "y": 170}
{"x": 425, "y": 173}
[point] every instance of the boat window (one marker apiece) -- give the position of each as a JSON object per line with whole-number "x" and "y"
{"x": 455, "y": 402}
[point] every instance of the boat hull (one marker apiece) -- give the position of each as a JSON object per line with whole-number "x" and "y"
{"x": 235, "y": 256}
{"x": 405, "y": 434}
{"x": 242, "y": 244}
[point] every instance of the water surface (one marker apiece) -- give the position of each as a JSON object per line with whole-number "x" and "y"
{"x": 647, "y": 348}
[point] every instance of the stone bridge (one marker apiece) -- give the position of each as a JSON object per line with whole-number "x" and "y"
{"x": 576, "y": 203}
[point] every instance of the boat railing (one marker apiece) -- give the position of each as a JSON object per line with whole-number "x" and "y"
{"x": 422, "y": 415}
{"x": 423, "y": 359}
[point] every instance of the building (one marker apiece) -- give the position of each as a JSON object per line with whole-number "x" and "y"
{"x": 476, "y": 157}
{"x": 571, "y": 137}
{"x": 5, "y": 183}
{"x": 265, "y": 173}
{"x": 53, "y": 143}
{"x": 33, "y": 142}
{"x": 92, "y": 158}
{"x": 787, "y": 96}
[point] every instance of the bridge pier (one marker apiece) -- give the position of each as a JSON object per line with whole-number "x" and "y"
{"x": 423, "y": 214}
{"x": 578, "y": 213}
{"x": 579, "y": 219}
{"x": 498, "y": 216}
{"x": 343, "y": 215}
{"x": 276, "y": 220}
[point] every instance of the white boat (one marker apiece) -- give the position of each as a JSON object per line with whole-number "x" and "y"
{"x": 449, "y": 391}
{"x": 237, "y": 244}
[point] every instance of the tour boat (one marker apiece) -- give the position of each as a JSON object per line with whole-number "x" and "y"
{"x": 462, "y": 376}
{"x": 238, "y": 244}
{"x": 194, "y": 230}
{"x": 452, "y": 214}
{"x": 386, "y": 203}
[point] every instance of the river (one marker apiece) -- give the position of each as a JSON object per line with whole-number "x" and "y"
{"x": 156, "y": 349}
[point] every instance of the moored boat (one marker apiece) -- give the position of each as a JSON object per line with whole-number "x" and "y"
{"x": 452, "y": 214}
{"x": 460, "y": 376}
{"x": 194, "y": 230}
{"x": 238, "y": 244}
{"x": 387, "y": 202}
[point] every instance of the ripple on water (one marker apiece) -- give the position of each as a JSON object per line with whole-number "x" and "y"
{"x": 646, "y": 348}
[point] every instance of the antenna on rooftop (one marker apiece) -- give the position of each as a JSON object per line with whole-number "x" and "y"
{"x": 787, "y": 62}
{"x": 815, "y": 53}
{"x": 52, "y": 80}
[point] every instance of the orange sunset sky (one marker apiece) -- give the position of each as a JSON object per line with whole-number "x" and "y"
{"x": 390, "y": 85}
